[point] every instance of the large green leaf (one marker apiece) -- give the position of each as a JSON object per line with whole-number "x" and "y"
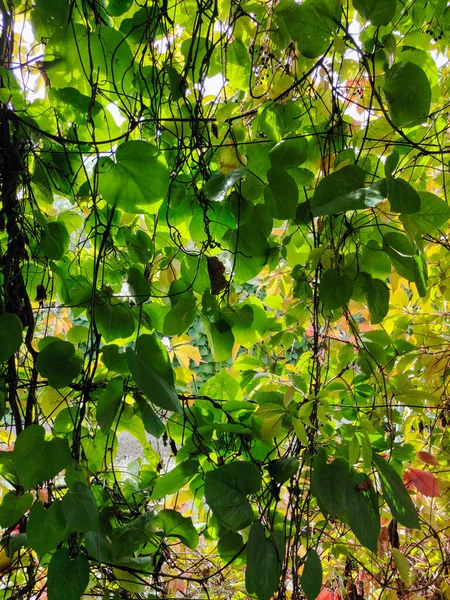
{"x": 173, "y": 524}
{"x": 361, "y": 509}
{"x": 151, "y": 371}
{"x": 378, "y": 12}
{"x": 114, "y": 321}
{"x": 174, "y": 480}
{"x": 250, "y": 251}
{"x": 283, "y": 469}
{"x": 335, "y": 289}
{"x": 37, "y": 460}
{"x": 13, "y": 508}
{"x": 59, "y": 362}
{"x": 80, "y": 508}
{"x": 289, "y": 153}
{"x": 180, "y": 317}
{"x": 226, "y": 491}
{"x": 344, "y": 190}
{"x": 127, "y": 539}
{"x": 10, "y": 335}
{"x": 433, "y": 213}
{"x": 408, "y": 94}
{"x": 377, "y": 296}
{"x": 311, "y": 579}
{"x": 281, "y": 196}
{"x": 395, "y": 493}
{"x": 55, "y": 240}
{"x": 218, "y": 184}
{"x": 108, "y": 403}
{"x": 329, "y": 482}
{"x": 402, "y": 197}
{"x": 46, "y": 528}
{"x": 67, "y": 578}
{"x": 137, "y": 180}
{"x": 263, "y": 563}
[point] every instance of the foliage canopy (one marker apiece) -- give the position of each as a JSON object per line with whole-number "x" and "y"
{"x": 224, "y": 231}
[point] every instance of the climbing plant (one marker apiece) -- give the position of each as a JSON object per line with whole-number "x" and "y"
{"x": 224, "y": 232}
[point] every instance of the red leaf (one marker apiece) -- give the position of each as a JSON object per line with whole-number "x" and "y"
{"x": 327, "y": 594}
{"x": 424, "y": 482}
{"x": 427, "y": 458}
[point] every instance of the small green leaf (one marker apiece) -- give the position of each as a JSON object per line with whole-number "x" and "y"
{"x": 272, "y": 415}
{"x": 408, "y": 94}
{"x": 231, "y": 546}
{"x": 402, "y": 565}
{"x": 10, "y": 335}
{"x": 361, "y": 510}
{"x": 152, "y": 376}
{"x": 152, "y": 423}
{"x": 433, "y": 213}
{"x": 180, "y": 317}
{"x": 281, "y": 196}
{"x": 59, "y": 362}
{"x": 80, "y": 508}
{"x": 114, "y": 321}
{"x": 226, "y": 491}
{"x": 378, "y": 12}
{"x": 395, "y": 494}
{"x": 46, "y": 528}
{"x": 108, "y": 403}
{"x": 140, "y": 287}
{"x": 218, "y": 184}
{"x": 263, "y": 563}
{"x": 174, "y": 524}
{"x": 127, "y": 539}
{"x": 13, "y": 508}
{"x": 311, "y": 578}
{"x": 138, "y": 179}
{"x": 283, "y": 469}
{"x": 174, "y": 480}
{"x": 55, "y": 240}
{"x": 335, "y": 289}
{"x": 37, "y": 460}
{"x": 377, "y": 296}
{"x": 289, "y": 153}
{"x": 67, "y": 578}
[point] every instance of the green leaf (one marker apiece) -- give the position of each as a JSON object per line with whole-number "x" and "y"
{"x": 402, "y": 197}
{"x": 432, "y": 214}
{"x": 13, "y": 508}
{"x": 402, "y": 565}
{"x": 408, "y": 94}
{"x": 138, "y": 179}
{"x": 361, "y": 510}
{"x": 226, "y": 491}
{"x": 378, "y": 12}
{"x": 180, "y": 317}
{"x": 281, "y": 196}
{"x": 114, "y": 360}
{"x": 59, "y": 362}
{"x": 80, "y": 508}
{"x": 218, "y": 184}
{"x": 335, "y": 289}
{"x": 311, "y": 578}
{"x": 127, "y": 539}
{"x": 67, "y": 578}
{"x": 114, "y": 321}
{"x": 152, "y": 423}
{"x": 140, "y": 287}
{"x": 55, "y": 240}
{"x": 10, "y": 335}
{"x": 283, "y": 469}
{"x": 289, "y": 153}
{"x": 395, "y": 494}
{"x": 174, "y": 524}
{"x": 344, "y": 190}
{"x": 263, "y": 564}
{"x": 46, "y": 528}
{"x": 377, "y": 296}
{"x": 174, "y": 480}
{"x": 231, "y": 546}
{"x": 37, "y": 460}
{"x": 329, "y": 482}
{"x": 221, "y": 387}
{"x": 251, "y": 251}
{"x": 108, "y": 403}
{"x": 311, "y": 24}
{"x": 272, "y": 416}
{"x": 152, "y": 373}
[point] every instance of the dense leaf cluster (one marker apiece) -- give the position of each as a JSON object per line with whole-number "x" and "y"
{"x": 224, "y": 232}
